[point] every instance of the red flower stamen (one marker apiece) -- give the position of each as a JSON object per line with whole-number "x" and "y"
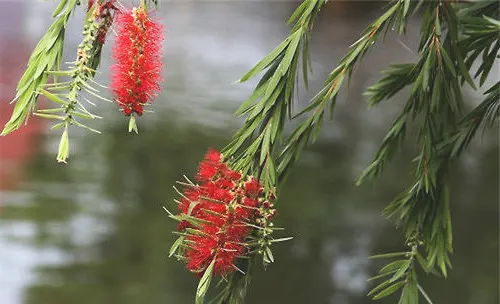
{"x": 137, "y": 53}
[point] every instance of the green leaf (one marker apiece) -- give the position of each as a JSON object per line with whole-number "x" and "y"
{"x": 290, "y": 52}
{"x": 50, "y": 116}
{"x": 436, "y": 93}
{"x": 63, "y": 150}
{"x": 86, "y": 127}
{"x": 132, "y": 126}
{"x": 389, "y": 290}
{"x": 47, "y": 111}
{"x": 393, "y": 265}
{"x": 59, "y": 8}
{"x": 426, "y": 71}
{"x": 281, "y": 239}
{"x": 271, "y": 170}
{"x": 437, "y": 25}
{"x": 58, "y": 125}
{"x": 269, "y": 102}
{"x": 266, "y": 61}
{"x": 300, "y": 10}
{"x": 176, "y": 245}
{"x": 269, "y": 254}
{"x": 462, "y": 67}
{"x": 47, "y": 52}
{"x": 52, "y": 97}
{"x": 442, "y": 267}
{"x": 401, "y": 271}
{"x": 406, "y": 7}
{"x": 306, "y": 64}
{"x": 204, "y": 283}
{"x": 424, "y": 294}
{"x": 388, "y": 255}
{"x": 258, "y": 92}
{"x": 266, "y": 142}
{"x": 197, "y": 232}
{"x": 386, "y": 15}
{"x": 381, "y": 276}
{"x": 447, "y": 61}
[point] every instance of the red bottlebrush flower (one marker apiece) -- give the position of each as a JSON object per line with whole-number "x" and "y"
{"x": 221, "y": 215}
{"x": 137, "y": 53}
{"x": 224, "y": 217}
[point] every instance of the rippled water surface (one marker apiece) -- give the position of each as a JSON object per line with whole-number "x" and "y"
{"x": 93, "y": 231}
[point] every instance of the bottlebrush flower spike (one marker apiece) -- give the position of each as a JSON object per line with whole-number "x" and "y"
{"x": 136, "y": 73}
{"x": 224, "y": 217}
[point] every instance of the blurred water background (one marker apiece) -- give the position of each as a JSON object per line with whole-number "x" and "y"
{"x": 94, "y": 231}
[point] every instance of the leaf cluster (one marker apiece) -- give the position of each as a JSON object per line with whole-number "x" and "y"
{"x": 271, "y": 102}
{"x": 267, "y": 110}
{"x": 46, "y": 56}
{"x": 449, "y": 46}
{"x": 453, "y": 37}
{"x": 67, "y": 94}
{"x": 308, "y": 130}
{"x": 401, "y": 274}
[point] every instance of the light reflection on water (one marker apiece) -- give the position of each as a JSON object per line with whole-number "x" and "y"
{"x": 94, "y": 231}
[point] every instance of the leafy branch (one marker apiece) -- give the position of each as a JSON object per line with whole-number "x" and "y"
{"x": 481, "y": 37}
{"x": 487, "y": 113}
{"x": 67, "y": 94}
{"x": 308, "y": 130}
{"x": 252, "y": 146}
{"x": 435, "y": 101}
{"x": 46, "y": 55}
{"x": 401, "y": 274}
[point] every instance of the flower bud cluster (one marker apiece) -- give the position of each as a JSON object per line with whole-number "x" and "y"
{"x": 265, "y": 215}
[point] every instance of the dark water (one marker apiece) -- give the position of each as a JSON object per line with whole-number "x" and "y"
{"x": 93, "y": 231}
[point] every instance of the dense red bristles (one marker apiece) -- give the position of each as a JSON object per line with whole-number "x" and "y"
{"x": 136, "y": 73}
{"x": 224, "y": 205}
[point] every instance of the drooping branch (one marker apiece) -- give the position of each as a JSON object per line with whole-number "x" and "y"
{"x": 308, "y": 130}
{"x": 47, "y": 55}
{"x": 252, "y": 147}
{"x": 436, "y": 103}
{"x": 266, "y": 110}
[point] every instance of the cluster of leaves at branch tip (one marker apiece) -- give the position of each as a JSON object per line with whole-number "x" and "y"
{"x": 45, "y": 63}
{"x": 46, "y": 56}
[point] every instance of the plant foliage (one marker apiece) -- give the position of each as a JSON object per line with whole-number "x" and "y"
{"x": 458, "y": 48}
